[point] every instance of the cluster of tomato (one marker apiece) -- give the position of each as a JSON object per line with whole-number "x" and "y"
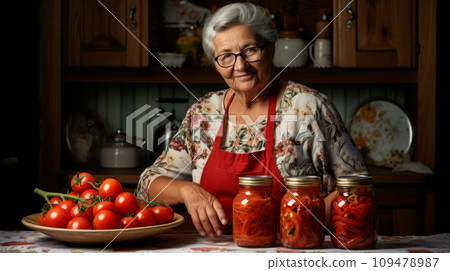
{"x": 100, "y": 206}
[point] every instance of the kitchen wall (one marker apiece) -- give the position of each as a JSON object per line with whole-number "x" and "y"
{"x": 112, "y": 102}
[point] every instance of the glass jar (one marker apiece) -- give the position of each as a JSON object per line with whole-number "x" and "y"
{"x": 353, "y": 213}
{"x": 255, "y": 212}
{"x": 302, "y": 213}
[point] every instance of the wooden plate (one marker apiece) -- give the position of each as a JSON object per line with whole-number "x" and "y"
{"x": 100, "y": 236}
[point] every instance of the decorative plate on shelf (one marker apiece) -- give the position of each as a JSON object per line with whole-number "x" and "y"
{"x": 91, "y": 237}
{"x": 85, "y": 135}
{"x": 382, "y": 131}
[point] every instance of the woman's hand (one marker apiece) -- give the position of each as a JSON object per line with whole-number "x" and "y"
{"x": 206, "y": 211}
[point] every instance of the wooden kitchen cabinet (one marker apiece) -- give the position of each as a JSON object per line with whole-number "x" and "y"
{"x": 405, "y": 202}
{"x": 63, "y": 50}
{"x": 374, "y": 34}
{"x": 94, "y": 33}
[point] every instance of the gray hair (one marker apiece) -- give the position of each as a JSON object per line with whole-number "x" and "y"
{"x": 246, "y": 14}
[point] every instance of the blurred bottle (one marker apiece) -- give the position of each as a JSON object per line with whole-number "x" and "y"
{"x": 322, "y": 23}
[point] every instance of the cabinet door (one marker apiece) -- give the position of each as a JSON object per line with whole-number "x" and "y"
{"x": 94, "y": 36}
{"x": 374, "y": 33}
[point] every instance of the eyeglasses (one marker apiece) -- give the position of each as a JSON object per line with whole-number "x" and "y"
{"x": 249, "y": 55}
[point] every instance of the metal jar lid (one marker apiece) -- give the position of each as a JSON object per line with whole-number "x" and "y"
{"x": 256, "y": 180}
{"x": 302, "y": 181}
{"x": 354, "y": 180}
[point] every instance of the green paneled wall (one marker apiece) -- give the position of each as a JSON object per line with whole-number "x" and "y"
{"x": 113, "y": 102}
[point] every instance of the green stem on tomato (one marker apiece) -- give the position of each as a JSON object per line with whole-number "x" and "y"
{"x": 78, "y": 178}
{"x": 46, "y": 195}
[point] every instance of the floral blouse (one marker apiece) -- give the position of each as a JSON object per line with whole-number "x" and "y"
{"x": 310, "y": 139}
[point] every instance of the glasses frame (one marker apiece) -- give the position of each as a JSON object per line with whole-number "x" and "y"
{"x": 240, "y": 54}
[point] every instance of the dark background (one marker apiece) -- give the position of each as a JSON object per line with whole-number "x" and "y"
{"x": 442, "y": 118}
{"x": 21, "y": 117}
{"x": 20, "y": 113}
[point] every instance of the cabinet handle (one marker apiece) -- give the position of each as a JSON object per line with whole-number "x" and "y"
{"x": 349, "y": 22}
{"x": 133, "y": 21}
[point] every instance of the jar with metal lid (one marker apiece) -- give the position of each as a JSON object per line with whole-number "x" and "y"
{"x": 302, "y": 213}
{"x": 255, "y": 212}
{"x": 354, "y": 213}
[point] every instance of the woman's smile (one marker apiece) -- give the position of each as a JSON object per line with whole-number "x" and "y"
{"x": 243, "y": 77}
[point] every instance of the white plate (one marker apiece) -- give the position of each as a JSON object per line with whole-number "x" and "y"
{"x": 85, "y": 135}
{"x": 382, "y": 131}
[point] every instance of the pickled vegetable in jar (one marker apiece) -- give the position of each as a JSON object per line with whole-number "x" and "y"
{"x": 302, "y": 213}
{"x": 354, "y": 213}
{"x": 255, "y": 212}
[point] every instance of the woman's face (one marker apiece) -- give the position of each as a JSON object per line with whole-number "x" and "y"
{"x": 243, "y": 76}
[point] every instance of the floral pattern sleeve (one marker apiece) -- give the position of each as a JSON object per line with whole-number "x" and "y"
{"x": 190, "y": 147}
{"x": 173, "y": 162}
{"x": 314, "y": 140}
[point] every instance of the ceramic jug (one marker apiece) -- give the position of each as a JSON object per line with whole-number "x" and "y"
{"x": 290, "y": 50}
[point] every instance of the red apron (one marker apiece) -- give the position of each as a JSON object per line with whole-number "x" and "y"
{"x": 221, "y": 173}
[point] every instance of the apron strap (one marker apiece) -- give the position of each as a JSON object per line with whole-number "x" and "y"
{"x": 270, "y": 128}
{"x": 229, "y": 103}
{"x": 218, "y": 139}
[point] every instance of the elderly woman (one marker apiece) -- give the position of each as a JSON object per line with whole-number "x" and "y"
{"x": 260, "y": 125}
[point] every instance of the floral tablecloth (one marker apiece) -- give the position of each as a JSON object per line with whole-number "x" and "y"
{"x": 182, "y": 242}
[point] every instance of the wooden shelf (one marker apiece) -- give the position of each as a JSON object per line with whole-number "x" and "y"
{"x": 384, "y": 176}
{"x": 196, "y": 75}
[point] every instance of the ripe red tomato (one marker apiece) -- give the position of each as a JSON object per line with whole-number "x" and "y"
{"x": 79, "y": 223}
{"x": 89, "y": 193}
{"x": 104, "y": 205}
{"x": 72, "y": 193}
{"x": 164, "y": 214}
{"x": 67, "y": 204}
{"x": 143, "y": 204}
{"x": 76, "y": 212}
{"x": 129, "y": 222}
{"x": 110, "y": 188}
{"x": 126, "y": 203}
{"x": 106, "y": 219}
{"x": 146, "y": 217}
{"x": 82, "y": 181}
{"x": 57, "y": 217}
{"x": 41, "y": 220}
{"x": 55, "y": 201}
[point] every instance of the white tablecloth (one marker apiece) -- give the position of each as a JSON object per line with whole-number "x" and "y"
{"x": 182, "y": 242}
